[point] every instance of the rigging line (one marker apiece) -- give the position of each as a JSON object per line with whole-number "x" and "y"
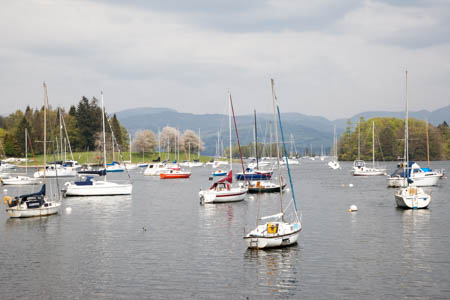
{"x": 118, "y": 147}
{"x": 285, "y": 155}
{"x": 237, "y": 137}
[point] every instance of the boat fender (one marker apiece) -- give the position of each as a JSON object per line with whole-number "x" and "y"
{"x": 7, "y": 199}
{"x": 228, "y": 186}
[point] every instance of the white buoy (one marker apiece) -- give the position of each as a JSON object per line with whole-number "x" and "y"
{"x": 68, "y": 210}
{"x": 251, "y": 197}
{"x": 350, "y": 184}
{"x": 353, "y": 208}
{"x": 5, "y": 191}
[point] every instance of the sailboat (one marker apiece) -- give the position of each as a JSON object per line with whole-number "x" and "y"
{"x": 222, "y": 190}
{"x": 91, "y": 187}
{"x": 34, "y": 204}
{"x": 359, "y": 166}
{"x": 409, "y": 196}
{"x": 280, "y": 231}
{"x": 420, "y": 176}
{"x": 263, "y": 186}
{"x": 334, "y": 163}
{"x": 22, "y": 179}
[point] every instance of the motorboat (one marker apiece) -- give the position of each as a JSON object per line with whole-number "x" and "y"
{"x": 55, "y": 170}
{"x": 88, "y": 186}
{"x": 419, "y": 176}
{"x": 20, "y": 180}
{"x": 155, "y": 169}
{"x": 175, "y": 174}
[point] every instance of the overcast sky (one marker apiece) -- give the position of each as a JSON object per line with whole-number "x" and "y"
{"x": 329, "y": 58}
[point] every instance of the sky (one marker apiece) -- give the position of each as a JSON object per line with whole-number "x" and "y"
{"x": 328, "y": 58}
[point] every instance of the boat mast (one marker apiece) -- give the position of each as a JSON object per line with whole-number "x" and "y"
{"x": 237, "y": 137}
{"x": 256, "y": 142}
{"x": 104, "y": 135}
{"x": 373, "y": 144}
{"x": 26, "y": 151}
{"x": 60, "y": 134}
{"x": 229, "y": 129}
{"x": 45, "y": 130}
{"x": 130, "y": 148}
{"x": 274, "y": 98}
{"x": 406, "y": 130}
{"x": 428, "y": 145}
{"x": 359, "y": 140}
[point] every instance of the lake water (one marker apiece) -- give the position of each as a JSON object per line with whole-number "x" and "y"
{"x": 190, "y": 251}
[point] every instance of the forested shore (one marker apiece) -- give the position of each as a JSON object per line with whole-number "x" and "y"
{"x": 390, "y": 137}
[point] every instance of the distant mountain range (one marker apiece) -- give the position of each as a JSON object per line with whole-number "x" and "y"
{"x": 306, "y": 131}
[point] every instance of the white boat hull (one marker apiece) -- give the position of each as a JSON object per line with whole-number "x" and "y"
{"x": 98, "y": 188}
{"x": 412, "y": 197}
{"x": 20, "y": 180}
{"x": 22, "y": 211}
{"x": 232, "y": 195}
{"x": 59, "y": 173}
{"x": 286, "y": 235}
{"x": 368, "y": 172}
{"x": 429, "y": 180}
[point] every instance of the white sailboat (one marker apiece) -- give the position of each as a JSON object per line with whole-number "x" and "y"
{"x": 222, "y": 190}
{"x": 409, "y": 196}
{"x": 22, "y": 179}
{"x": 280, "y": 231}
{"x": 34, "y": 204}
{"x": 334, "y": 163}
{"x": 359, "y": 166}
{"x": 91, "y": 187}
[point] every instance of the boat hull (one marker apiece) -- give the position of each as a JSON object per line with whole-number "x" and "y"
{"x": 23, "y": 212}
{"x": 20, "y": 180}
{"x": 233, "y": 195}
{"x": 412, "y": 197}
{"x": 174, "y": 176}
{"x": 288, "y": 237}
{"x": 98, "y": 189}
{"x": 430, "y": 180}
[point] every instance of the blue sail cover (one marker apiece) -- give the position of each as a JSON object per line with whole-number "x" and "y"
{"x": 26, "y": 196}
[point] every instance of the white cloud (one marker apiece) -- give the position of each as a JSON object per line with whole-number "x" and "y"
{"x": 349, "y": 59}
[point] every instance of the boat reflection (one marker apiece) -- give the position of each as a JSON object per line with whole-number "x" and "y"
{"x": 416, "y": 241}
{"x": 275, "y": 270}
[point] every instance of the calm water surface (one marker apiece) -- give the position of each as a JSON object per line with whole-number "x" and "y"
{"x": 100, "y": 250}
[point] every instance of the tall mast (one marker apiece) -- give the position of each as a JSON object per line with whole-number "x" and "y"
{"x": 237, "y": 137}
{"x": 359, "y": 140}
{"x": 406, "y": 122}
{"x": 229, "y": 129}
{"x": 256, "y": 142}
{"x": 26, "y": 150}
{"x": 60, "y": 133}
{"x": 130, "y": 148}
{"x": 335, "y": 144}
{"x": 373, "y": 144}
{"x": 274, "y": 98}
{"x": 428, "y": 145}
{"x": 104, "y": 135}
{"x": 45, "y": 129}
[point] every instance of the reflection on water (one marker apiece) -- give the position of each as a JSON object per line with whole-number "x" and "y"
{"x": 275, "y": 270}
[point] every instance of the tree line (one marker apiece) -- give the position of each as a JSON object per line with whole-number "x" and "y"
{"x": 390, "y": 140}
{"x": 81, "y": 125}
